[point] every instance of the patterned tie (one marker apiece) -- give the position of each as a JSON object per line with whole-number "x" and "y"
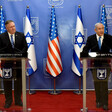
{"x": 12, "y": 42}
{"x": 99, "y": 42}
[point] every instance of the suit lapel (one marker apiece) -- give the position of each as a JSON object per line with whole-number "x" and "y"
{"x": 103, "y": 40}
{"x": 7, "y": 38}
{"x": 96, "y": 42}
{"x": 16, "y": 36}
{"x": 95, "y": 39}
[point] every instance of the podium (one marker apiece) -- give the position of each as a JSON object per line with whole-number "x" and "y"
{"x": 12, "y": 60}
{"x": 90, "y": 61}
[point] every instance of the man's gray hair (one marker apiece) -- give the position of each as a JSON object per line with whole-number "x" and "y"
{"x": 97, "y": 25}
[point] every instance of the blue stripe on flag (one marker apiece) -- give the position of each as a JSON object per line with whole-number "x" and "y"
{"x": 30, "y": 71}
{"x": 80, "y": 14}
{"x": 77, "y": 62}
{"x": 28, "y": 14}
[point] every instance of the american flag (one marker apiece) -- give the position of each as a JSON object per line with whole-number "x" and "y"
{"x": 104, "y": 19}
{"x": 30, "y": 42}
{"x": 54, "y": 62}
{"x": 79, "y": 43}
{"x": 2, "y": 21}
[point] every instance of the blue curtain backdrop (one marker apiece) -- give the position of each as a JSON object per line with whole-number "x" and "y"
{"x": 66, "y": 12}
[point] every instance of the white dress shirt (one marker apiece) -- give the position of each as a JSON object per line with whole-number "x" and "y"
{"x": 13, "y": 37}
{"x": 102, "y": 37}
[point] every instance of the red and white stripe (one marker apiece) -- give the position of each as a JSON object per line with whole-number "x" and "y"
{"x": 54, "y": 62}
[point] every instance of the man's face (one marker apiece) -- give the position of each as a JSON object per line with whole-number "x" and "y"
{"x": 99, "y": 30}
{"x": 11, "y": 28}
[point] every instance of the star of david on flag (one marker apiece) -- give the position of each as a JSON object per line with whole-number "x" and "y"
{"x": 30, "y": 42}
{"x": 29, "y": 39}
{"x": 79, "y": 39}
{"x": 79, "y": 43}
{"x": 54, "y": 63}
{"x": 104, "y": 19}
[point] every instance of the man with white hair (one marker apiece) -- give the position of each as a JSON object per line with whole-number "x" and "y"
{"x": 100, "y": 43}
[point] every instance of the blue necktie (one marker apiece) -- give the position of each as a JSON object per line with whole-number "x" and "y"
{"x": 99, "y": 42}
{"x": 12, "y": 42}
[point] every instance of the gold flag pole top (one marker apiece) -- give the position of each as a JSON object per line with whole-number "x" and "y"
{"x": 79, "y": 6}
{"x": 27, "y": 6}
{"x": 103, "y": 5}
{"x": 0, "y": 6}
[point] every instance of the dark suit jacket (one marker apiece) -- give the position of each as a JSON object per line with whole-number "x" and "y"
{"x": 92, "y": 44}
{"x": 20, "y": 45}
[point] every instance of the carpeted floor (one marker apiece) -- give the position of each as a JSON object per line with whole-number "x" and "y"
{"x": 67, "y": 101}
{"x": 64, "y": 102}
{"x": 91, "y": 104}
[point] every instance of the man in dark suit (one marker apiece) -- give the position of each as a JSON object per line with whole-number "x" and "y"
{"x": 13, "y": 42}
{"x": 92, "y": 45}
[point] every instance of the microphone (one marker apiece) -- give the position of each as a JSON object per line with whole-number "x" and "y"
{"x": 20, "y": 52}
{"x": 94, "y": 48}
{"x": 17, "y": 50}
{"x": 4, "y": 49}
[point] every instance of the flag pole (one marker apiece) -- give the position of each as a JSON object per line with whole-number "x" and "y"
{"x": 104, "y": 7}
{"x": 27, "y": 6}
{"x": 79, "y": 91}
{"x": 80, "y": 78}
{"x": 30, "y": 91}
{"x": 54, "y": 91}
{"x": 1, "y": 80}
{"x": 0, "y": 62}
{"x": 53, "y": 67}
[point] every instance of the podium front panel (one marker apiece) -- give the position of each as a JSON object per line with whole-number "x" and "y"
{"x": 97, "y": 95}
{"x": 14, "y": 96}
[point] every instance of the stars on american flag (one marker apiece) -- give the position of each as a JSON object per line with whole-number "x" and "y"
{"x": 53, "y": 27}
{"x": 104, "y": 19}
{"x": 79, "y": 39}
{"x": 2, "y": 22}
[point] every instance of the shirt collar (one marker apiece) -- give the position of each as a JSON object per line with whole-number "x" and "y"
{"x": 102, "y": 37}
{"x": 11, "y": 34}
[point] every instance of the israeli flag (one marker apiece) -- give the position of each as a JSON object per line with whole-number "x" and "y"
{"x": 79, "y": 43}
{"x": 30, "y": 41}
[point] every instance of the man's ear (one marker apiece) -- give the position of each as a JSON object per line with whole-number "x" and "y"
{"x": 95, "y": 29}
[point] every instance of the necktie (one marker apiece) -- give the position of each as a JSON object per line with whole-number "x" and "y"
{"x": 99, "y": 42}
{"x": 12, "y": 41}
